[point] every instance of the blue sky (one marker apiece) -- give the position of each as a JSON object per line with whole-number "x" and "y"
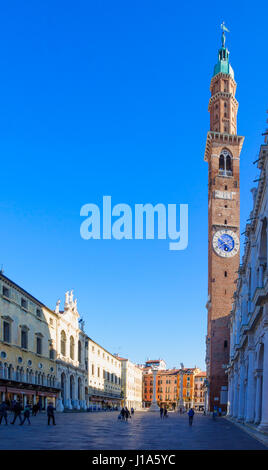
{"x": 110, "y": 98}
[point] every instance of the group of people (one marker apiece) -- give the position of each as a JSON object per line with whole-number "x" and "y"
{"x": 24, "y": 414}
{"x": 163, "y": 412}
{"x": 125, "y": 413}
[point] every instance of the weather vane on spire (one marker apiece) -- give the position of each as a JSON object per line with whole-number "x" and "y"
{"x": 223, "y": 27}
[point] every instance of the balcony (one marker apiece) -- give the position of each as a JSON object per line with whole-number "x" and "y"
{"x": 225, "y": 173}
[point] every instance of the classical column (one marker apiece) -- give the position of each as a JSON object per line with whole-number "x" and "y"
{"x": 24, "y": 400}
{"x": 75, "y": 393}
{"x": 241, "y": 393}
{"x": 258, "y": 374}
{"x": 230, "y": 395}
{"x": 67, "y": 399}
{"x": 250, "y": 402}
{"x": 235, "y": 407}
{"x": 154, "y": 406}
{"x": 264, "y": 412}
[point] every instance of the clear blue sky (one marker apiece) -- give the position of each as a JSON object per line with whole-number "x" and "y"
{"x": 110, "y": 98}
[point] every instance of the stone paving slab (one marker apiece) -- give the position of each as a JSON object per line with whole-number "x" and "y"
{"x": 145, "y": 431}
{"x": 252, "y": 430}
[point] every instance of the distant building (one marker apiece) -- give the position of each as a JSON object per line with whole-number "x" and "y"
{"x": 104, "y": 377}
{"x": 157, "y": 364}
{"x": 168, "y": 387}
{"x": 131, "y": 379}
{"x": 199, "y": 391}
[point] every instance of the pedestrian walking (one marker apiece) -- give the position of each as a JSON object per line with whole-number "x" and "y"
{"x": 132, "y": 411}
{"x": 17, "y": 408}
{"x": 3, "y": 412}
{"x": 161, "y": 412}
{"x": 219, "y": 411}
{"x": 26, "y": 415}
{"x": 123, "y": 414}
{"x": 35, "y": 409}
{"x": 165, "y": 413}
{"x": 50, "y": 414}
{"x": 127, "y": 414}
{"x": 191, "y": 416}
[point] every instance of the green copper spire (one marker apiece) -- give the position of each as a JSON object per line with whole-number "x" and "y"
{"x": 223, "y": 65}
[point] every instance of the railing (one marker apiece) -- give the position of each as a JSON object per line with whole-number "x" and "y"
{"x": 225, "y": 173}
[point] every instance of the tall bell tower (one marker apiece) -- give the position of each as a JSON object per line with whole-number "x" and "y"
{"x": 222, "y": 153}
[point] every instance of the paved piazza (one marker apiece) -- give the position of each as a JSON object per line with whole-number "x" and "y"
{"x": 144, "y": 431}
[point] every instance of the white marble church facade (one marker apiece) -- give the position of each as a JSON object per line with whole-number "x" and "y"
{"x": 71, "y": 356}
{"x": 248, "y": 368}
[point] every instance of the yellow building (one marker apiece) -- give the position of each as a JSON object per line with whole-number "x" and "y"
{"x": 27, "y": 347}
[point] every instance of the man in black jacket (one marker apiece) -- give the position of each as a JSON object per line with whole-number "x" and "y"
{"x": 3, "y": 412}
{"x": 17, "y": 411}
{"x": 50, "y": 414}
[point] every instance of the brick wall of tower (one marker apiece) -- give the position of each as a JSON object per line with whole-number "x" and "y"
{"x": 222, "y": 214}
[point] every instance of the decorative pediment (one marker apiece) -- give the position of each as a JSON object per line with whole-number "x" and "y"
{"x": 7, "y": 318}
{"x": 40, "y": 335}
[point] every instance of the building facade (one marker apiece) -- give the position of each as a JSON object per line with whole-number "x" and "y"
{"x": 131, "y": 380}
{"x": 104, "y": 378}
{"x": 248, "y": 368}
{"x": 175, "y": 388}
{"x": 28, "y": 368}
{"x": 71, "y": 356}
{"x": 199, "y": 391}
{"x": 222, "y": 153}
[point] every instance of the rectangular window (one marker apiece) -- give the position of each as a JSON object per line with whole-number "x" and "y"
{"x": 6, "y": 292}
{"x": 38, "y": 313}
{"x": 51, "y": 354}
{"x": 98, "y": 371}
{"x": 24, "y": 342}
{"x": 24, "y": 303}
{"x": 92, "y": 369}
{"x": 38, "y": 345}
{"x": 6, "y": 332}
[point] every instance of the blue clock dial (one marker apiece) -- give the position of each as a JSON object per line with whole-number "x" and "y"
{"x": 226, "y": 242}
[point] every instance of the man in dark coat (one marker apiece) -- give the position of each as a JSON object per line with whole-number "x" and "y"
{"x": 50, "y": 414}
{"x": 3, "y": 412}
{"x": 17, "y": 411}
{"x": 26, "y": 415}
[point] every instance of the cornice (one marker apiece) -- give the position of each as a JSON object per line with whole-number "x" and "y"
{"x": 222, "y": 139}
{"x": 222, "y": 94}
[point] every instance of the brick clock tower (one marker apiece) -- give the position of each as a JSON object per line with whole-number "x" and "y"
{"x": 222, "y": 153}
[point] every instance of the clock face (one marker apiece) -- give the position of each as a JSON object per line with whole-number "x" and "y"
{"x": 225, "y": 243}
